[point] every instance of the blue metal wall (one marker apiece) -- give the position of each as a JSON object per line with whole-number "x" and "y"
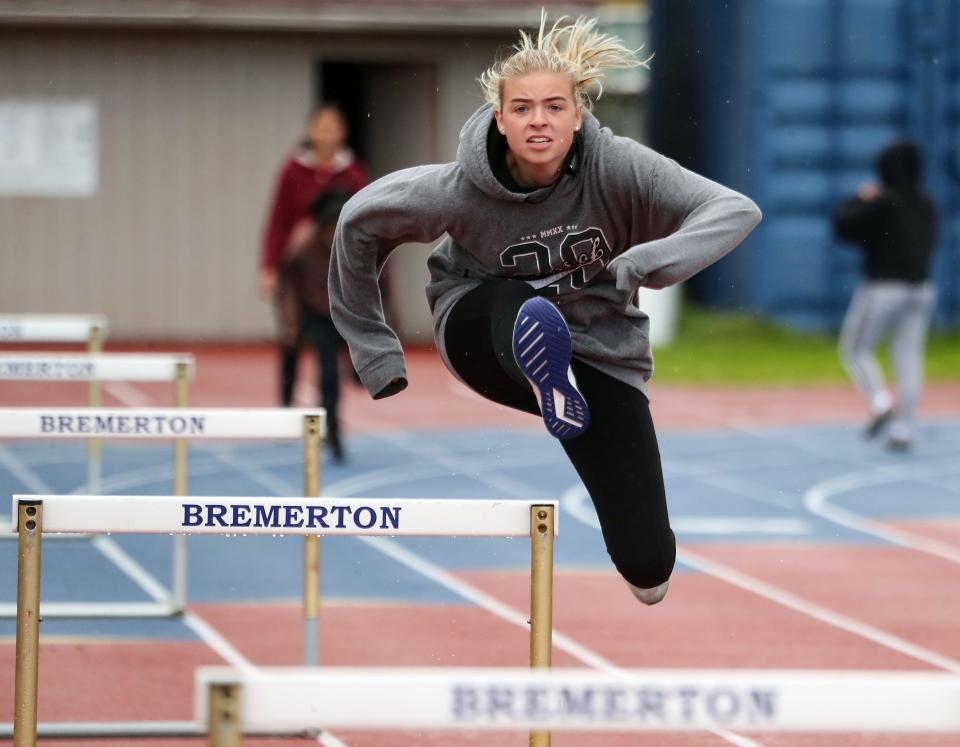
{"x": 791, "y": 100}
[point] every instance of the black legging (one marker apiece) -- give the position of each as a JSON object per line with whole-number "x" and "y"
{"x": 317, "y": 329}
{"x": 617, "y": 457}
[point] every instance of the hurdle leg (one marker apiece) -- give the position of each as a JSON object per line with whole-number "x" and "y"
{"x": 223, "y": 716}
{"x": 178, "y": 580}
{"x": 29, "y": 517}
{"x": 95, "y": 396}
{"x": 312, "y": 437}
{"x": 541, "y": 597}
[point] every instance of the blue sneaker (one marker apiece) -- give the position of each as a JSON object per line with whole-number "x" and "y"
{"x": 543, "y": 350}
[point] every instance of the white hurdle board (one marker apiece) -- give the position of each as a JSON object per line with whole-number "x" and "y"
{"x": 95, "y": 369}
{"x": 180, "y": 423}
{"x": 51, "y": 327}
{"x": 148, "y": 514}
{"x": 223, "y": 423}
{"x": 292, "y": 700}
{"x": 101, "y": 367}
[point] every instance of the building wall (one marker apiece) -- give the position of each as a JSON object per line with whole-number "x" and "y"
{"x": 192, "y": 127}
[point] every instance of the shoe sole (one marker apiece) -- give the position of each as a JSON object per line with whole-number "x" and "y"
{"x": 543, "y": 350}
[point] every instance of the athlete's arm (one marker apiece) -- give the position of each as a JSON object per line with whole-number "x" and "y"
{"x": 403, "y": 207}
{"x": 691, "y": 221}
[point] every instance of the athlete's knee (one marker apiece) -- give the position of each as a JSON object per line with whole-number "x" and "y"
{"x": 652, "y": 595}
{"x": 646, "y": 564}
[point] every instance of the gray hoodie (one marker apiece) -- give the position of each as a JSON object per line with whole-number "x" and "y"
{"x": 621, "y": 217}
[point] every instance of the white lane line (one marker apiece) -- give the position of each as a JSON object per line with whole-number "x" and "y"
{"x": 576, "y": 503}
{"x": 130, "y": 567}
{"x": 128, "y": 394}
{"x": 724, "y": 525}
{"x": 817, "y": 501}
{"x": 15, "y": 466}
{"x": 330, "y": 740}
{"x": 811, "y": 609}
{"x": 210, "y": 636}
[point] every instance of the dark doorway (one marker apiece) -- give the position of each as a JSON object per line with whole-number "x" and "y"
{"x": 390, "y": 108}
{"x": 344, "y": 83}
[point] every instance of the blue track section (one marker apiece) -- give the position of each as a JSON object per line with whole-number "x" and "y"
{"x": 734, "y": 486}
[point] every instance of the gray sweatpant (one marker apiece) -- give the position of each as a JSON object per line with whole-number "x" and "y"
{"x": 899, "y": 311}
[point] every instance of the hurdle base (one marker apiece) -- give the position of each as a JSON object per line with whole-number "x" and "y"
{"x": 146, "y": 729}
{"x": 98, "y": 610}
{"x": 54, "y": 537}
{"x": 107, "y": 730}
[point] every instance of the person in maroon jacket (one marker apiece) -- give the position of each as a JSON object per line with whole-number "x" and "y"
{"x": 321, "y": 164}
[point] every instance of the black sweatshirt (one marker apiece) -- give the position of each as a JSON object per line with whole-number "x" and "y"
{"x": 897, "y": 229}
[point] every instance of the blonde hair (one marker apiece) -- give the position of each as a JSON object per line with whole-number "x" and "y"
{"x": 577, "y": 50}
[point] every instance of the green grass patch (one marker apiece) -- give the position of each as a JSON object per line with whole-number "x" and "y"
{"x": 730, "y": 348}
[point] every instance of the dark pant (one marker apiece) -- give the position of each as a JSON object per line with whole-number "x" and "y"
{"x": 617, "y": 457}
{"x": 319, "y": 331}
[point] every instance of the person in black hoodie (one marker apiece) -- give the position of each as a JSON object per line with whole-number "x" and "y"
{"x": 895, "y": 225}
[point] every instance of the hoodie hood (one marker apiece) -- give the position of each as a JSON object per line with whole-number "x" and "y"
{"x": 899, "y": 166}
{"x": 473, "y": 158}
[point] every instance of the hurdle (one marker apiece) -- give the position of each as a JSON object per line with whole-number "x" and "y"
{"x": 181, "y": 425}
{"x": 287, "y": 700}
{"x": 35, "y": 515}
{"x": 88, "y": 328}
{"x": 95, "y": 369}
{"x": 137, "y": 367}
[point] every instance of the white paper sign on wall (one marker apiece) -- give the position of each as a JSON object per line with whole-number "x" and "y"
{"x": 48, "y": 148}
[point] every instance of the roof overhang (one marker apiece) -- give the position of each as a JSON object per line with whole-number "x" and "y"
{"x": 310, "y": 15}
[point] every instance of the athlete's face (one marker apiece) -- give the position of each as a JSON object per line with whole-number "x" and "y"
{"x": 539, "y": 116}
